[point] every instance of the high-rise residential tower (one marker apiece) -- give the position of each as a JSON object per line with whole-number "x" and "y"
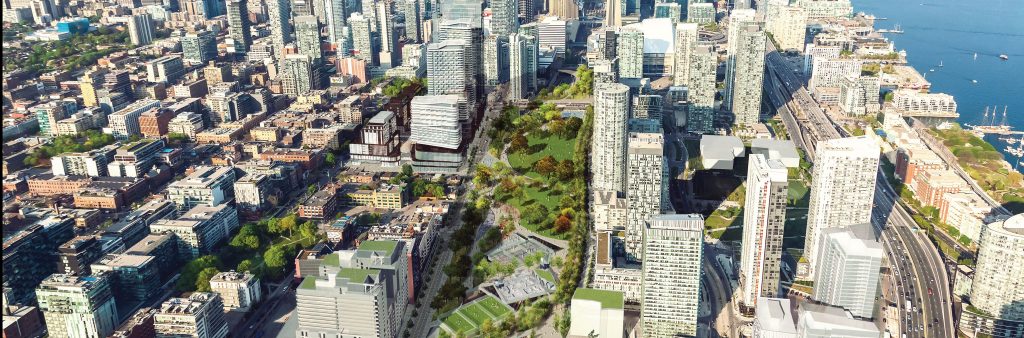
{"x": 686, "y": 42}
{"x": 646, "y": 178}
{"x": 504, "y": 17}
{"x": 843, "y": 189}
{"x": 279, "y": 12}
{"x": 788, "y": 25}
{"x": 997, "y": 287}
{"x": 848, "y": 268}
{"x": 763, "y": 226}
{"x": 140, "y": 29}
{"x": 745, "y": 69}
{"x": 631, "y": 53}
{"x": 673, "y": 251}
{"x": 199, "y": 47}
{"x": 297, "y": 77}
{"x": 238, "y": 25}
{"x": 700, "y": 118}
{"x": 363, "y": 45}
{"x": 522, "y": 65}
{"x": 307, "y": 37}
{"x": 608, "y": 151}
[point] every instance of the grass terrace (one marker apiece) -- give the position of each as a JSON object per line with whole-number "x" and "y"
{"x": 608, "y": 299}
{"x": 470, "y": 317}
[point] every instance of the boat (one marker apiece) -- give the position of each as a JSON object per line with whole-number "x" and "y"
{"x": 931, "y": 70}
{"x": 940, "y": 63}
{"x": 1004, "y": 56}
{"x": 975, "y": 56}
{"x": 974, "y": 81}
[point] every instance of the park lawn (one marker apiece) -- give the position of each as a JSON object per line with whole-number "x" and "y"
{"x": 797, "y": 194}
{"x": 476, "y": 313}
{"x": 546, "y": 197}
{"x": 494, "y": 307}
{"x": 459, "y": 323}
{"x": 540, "y": 146}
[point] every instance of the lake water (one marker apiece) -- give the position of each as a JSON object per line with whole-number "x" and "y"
{"x": 951, "y": 32}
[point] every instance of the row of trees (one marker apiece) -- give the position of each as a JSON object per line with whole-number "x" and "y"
{"x": 453, "y": 292}
{"x": 88, "y": 140}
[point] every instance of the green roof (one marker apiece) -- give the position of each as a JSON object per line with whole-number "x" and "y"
{"x": 308, "y": 283}
{"x": 385, "y": 246}
{"x": 546, "y": 275}
{"x": 332, "y": 260}
{"x": 608, "y": 299}
{"x": 357, "y": 275}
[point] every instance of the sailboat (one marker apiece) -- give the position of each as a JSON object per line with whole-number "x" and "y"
{"x": 975, "y": 56}
{"x": 940, "y": 63}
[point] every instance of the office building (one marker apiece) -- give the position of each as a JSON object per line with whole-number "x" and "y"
{"x": 685, "y": 44}
{"x": 238, "y": 26}
{"x": 358, "y": 292}
{"x": 744, "y": 70}
{"x": 843, "y": 189}
{"x": 646, "y": 178}
{"x": 700, "y": 118}
{"x": 413, "y": 10}
{"x": 631, "y": 53}
{"x": 522, "y": 65}
{"x": 596, "y": 312}
{"x": 828, "y": 74}
{"x": 201, "y": 315}
{"x": 504, "y": 18}
{"x": 774, "y": 318}
{"x": 77, "y": 254}
{"x": 390, "y": 51}
{"x": 673, "y": 252}
{"x": 168, "y": 69}
{"x": 238, "y": 290}
{"x": 206, "y": 185}
{"x": 336, "y": 13}
{"x": 552, "y": 34}
{"x": 848, "y": 268}
{"x": 77, "y": 306}
{"x": 788, "y": 25}
{"x": 814, "y": 320}
{"x": 449, "y": 73}
{"x": 764, "y": 222}
{"x": 997, "y": 288}
{"x": 92, "y": 163}
{"x": 47, "y": 116}
{"x": 611, "y": 109}
{"x": 140, "y": 29}
{"x": 136, "y": 278}
{"x": 297, "y": 75}
{"x": 614, "y": 11}
{"x": 700, "y": 12}
{"x": 435, "y": 120}
{"x": 668, "y": 10}
{"x": 200, "y": 230}
{"x": 124, "y": 123}
{"x": 199, "y": 47}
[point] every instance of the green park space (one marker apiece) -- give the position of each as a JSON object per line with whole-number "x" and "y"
{"x": 471, "y": 317}
{"x": 986, "y": 166}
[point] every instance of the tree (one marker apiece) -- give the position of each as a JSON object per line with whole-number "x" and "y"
{"x": 274, "y": 226}
{"x": 572, "y": 127}
{"x": 244, "y": 266}
{"x": 275, "y": 260}
{"x": 565, "y": 169}
{"x": 546, "y": 165}
{"x": 562, "y": 223}
{"x": 308, "y": 229}
{"x": 407, "y": 170}
{"x": 535, "y": 213}
{"x": 289, "y": 223}
{"x": 519, "y": 143}
{"x": 190, "y": 273}
{"x": 245, "y": 242}
{"x": 330, "y": 161}
{"x": 203, "y": 280}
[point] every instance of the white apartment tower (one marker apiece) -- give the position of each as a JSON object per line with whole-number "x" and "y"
{"x": 608, "y": 153}
{"x": 745, "y": 68}
{"x": 686, "y": 42}
{"x": 647, "y": 176}
{"x": 201, "y": 315}
{"x": 435, "y": 120}
{"x": 788, "y": 25}
{"x": 522, "y": 65}
{"x": 998, "y": 288}
{"x": 764, "y": 221}
{"x": 847, "y": 273}
{"x": 843, "y": 189}
{"x": 631, "y": 53}
{"x": 700, "y": 118}
{"x": 673, "y": 247}
{"x": 140, "y": 29}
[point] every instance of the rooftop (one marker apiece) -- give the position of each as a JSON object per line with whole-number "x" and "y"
{"x": 608, "y": 299}
{"x": 387, "y": 247}
{"x": 355, "y": 275}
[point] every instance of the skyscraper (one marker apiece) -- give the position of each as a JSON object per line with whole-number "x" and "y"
{"x": 843, "y": 189}
{"x": 278, "y": 13}
{"x": 307, "y": 36}
{"x": 673, "y": 251}
{"x": 527, "y": 10}
{"x": 77, "y": 306}
{"x": 390, "y": 52}
{"x": 413, "y": 10}
{"x": 368, "y": 9}
{"x": 363, "y": 46}
{"x": 504, "y": 17}
{"x": 448, "y": 73}
{"x": 614, "y": 10}
{"x": 471, "y": 32}
{"x": 686, "y": 42}
{"x": 997, "y": 287}
{"x": 238, "y": 25}
{"x": 631, "y": 53}
{"x": 745, "y": 69}
{"x": 764, "y": 221}
{"x": 565, "y": 9}
{"x": 849, "y": 260}
{"x": 336, "y": 12}
{"x": 608, "y": 151}
{"x": 700, "y": 118}
{"x": 199, "y": 47}
{"x": 522, "y": 65}
{"x": 647, "y": 175}
{"x": 140, "y": 29}
{"x": 297, "y": 75}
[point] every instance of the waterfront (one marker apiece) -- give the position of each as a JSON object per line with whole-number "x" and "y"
{"x": 951, "y": 32}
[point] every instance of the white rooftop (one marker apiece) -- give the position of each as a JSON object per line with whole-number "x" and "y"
{"x": 659, "y": 35}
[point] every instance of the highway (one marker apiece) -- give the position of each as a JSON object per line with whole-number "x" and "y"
{"x": 917, "y": 267}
